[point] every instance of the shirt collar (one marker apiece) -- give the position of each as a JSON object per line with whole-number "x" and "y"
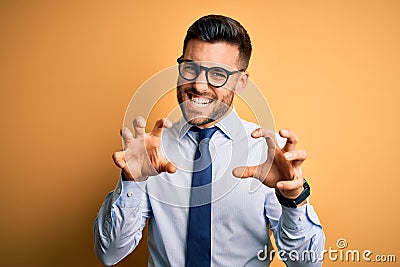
{"x": 230, "y": 125}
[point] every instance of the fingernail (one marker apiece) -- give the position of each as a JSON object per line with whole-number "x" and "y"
{"x": 168, "y": 123}
{"x": 288, "y": 155}
{"x": 127, "y": 134}
{"x": 284, "y": 131}
{"x": 141, "y": 123}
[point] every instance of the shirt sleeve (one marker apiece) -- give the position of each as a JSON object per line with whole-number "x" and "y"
{"x": 119, "y": 224}
{"x": 298, "y": 233}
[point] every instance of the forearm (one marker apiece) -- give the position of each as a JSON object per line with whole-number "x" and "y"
{"x": 119, "y": 223}
{"x": 299, "y": 237}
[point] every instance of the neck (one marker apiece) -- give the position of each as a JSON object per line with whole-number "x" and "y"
{"x": 212, "y": 123}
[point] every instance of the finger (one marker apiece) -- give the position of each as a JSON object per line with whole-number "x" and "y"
{"x": 263, "y": 133}
{"x": 270, "y": 138}
{"x": 256, "y": 133}
{"x": 139, "y": 124}
{"x": 271, "y": 144}
{"x": 127, "y": 135}
{"x": 296, "y": 155}
{"x": 119, "y": 159}
{"x": 159, "y": 125}
{"x": 290, "y": 185}
{"x": 168, "y": 166}
{"x": 291, "y": 139}
{"x": 244, "y": 171}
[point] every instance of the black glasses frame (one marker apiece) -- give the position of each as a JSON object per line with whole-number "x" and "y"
{"x": 180, "y": 60}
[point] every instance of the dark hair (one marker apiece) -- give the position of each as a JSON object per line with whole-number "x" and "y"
{"x": 218, "y": 28}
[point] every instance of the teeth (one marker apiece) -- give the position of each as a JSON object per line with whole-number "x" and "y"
{"x": 201, "y": 101}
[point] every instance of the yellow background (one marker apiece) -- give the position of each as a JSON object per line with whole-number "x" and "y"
{"x": 329, "y": 69}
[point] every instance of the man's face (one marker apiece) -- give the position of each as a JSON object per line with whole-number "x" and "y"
{"x": 202, "y": 104}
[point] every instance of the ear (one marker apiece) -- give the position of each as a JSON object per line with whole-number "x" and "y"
{"x": 242, "y": 82}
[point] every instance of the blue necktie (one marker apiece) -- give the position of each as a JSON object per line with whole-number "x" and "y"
{"x": 198, "y": 252}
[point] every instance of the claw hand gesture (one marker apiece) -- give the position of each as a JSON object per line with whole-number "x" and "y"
{"x": 282, "y": 169}
{"x": 142, "y": 156}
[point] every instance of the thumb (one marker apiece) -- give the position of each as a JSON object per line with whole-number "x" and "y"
{"x": 119, "y": 159}
{"x": 168, "y": 166}
{"x": 244, "y": 171}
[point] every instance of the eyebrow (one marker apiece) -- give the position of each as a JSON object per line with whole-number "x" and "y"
{"x": 226, "y": 67}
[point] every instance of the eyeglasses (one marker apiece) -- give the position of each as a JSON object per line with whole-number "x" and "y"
{"x": 216, "y": 76}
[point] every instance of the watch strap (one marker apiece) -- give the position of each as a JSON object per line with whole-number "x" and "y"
{"x": 293, "y": 203}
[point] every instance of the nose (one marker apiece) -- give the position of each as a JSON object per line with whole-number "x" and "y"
{"x": 200, "y": 83}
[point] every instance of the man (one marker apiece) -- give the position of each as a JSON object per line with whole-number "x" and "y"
{"x": 199, "y": 212}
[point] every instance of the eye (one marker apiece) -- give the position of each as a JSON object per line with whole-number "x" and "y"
{"x": 190, "y": 68}
{"x": 218, "y": 73}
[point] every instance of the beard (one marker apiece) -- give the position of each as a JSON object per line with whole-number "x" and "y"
{"x": 209, "y": 110}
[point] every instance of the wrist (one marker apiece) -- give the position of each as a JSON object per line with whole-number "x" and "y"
{"x": 290, "y": 194}
{"x": 295, "y": 200}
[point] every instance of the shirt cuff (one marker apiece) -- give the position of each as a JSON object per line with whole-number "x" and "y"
{"x": 299, "y": 218}
{"x": 128, "y": 194}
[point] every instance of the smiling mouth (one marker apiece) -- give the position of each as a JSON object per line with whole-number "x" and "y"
{"x": 199, "y": 101}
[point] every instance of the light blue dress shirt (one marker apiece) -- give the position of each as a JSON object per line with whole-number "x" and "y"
{"x": 241, "y": 210}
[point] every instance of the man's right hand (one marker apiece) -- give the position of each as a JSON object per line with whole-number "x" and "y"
{"x": 142, "y": 156}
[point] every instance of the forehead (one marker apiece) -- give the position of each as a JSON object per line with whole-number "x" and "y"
{"x": 220, "y": 52}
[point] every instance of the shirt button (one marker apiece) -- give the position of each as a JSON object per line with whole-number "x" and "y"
{"x": 129, "y": 194}
{"x": 109, "y": 219}
{"x": 119, "y": 190}
{"x": 301, "y": 218}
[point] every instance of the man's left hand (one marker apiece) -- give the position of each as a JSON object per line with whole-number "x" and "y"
{"x": 282, "y": 169}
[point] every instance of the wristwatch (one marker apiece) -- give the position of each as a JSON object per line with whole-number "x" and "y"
{"x": 292, "y": 203}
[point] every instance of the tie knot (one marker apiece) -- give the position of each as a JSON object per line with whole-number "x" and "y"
{"x": 204, "y": 133}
